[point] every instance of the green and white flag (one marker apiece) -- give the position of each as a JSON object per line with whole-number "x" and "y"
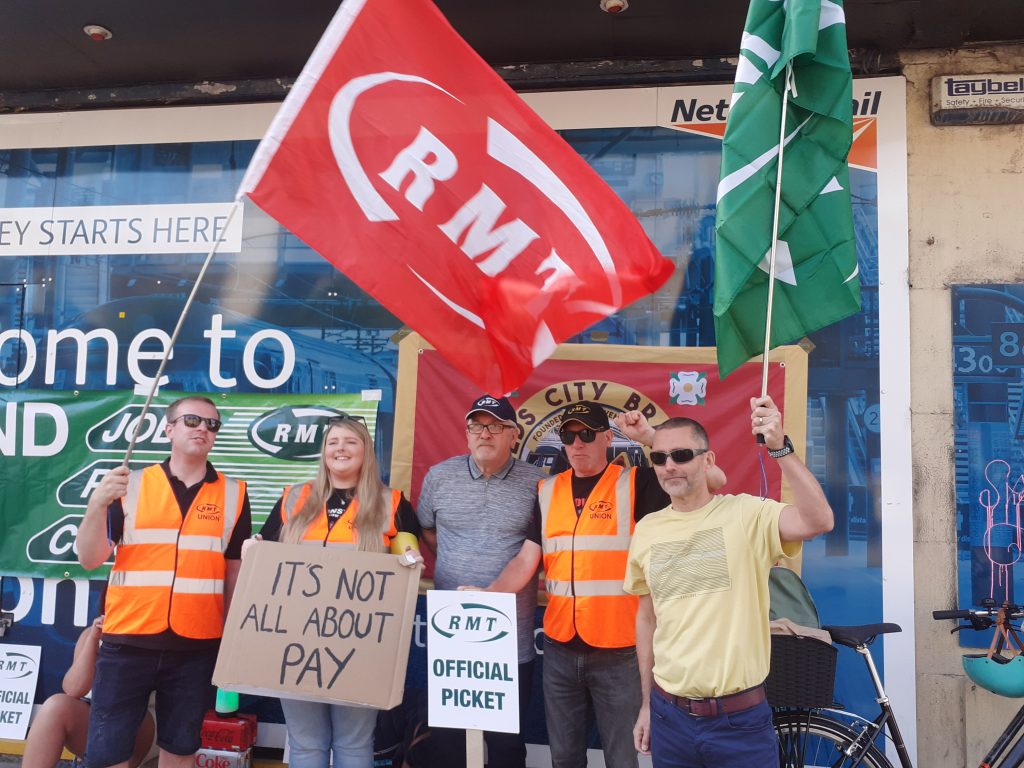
{"x": 816, "y": 263}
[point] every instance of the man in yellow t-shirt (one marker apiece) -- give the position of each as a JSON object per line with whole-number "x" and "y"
{"x": 700, "y": 567}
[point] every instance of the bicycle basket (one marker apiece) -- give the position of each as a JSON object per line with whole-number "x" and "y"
{"x": 999, "y": 674}
{"x": 803, "y": 672}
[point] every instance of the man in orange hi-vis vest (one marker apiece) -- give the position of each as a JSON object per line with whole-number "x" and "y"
{"x": 178, "y": 529}
{"x": 586, "y": 517}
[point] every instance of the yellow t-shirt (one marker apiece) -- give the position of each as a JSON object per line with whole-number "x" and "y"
{"x": 707, "y": 574}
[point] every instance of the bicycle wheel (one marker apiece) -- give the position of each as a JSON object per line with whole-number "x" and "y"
{"x": 808, "y": 739}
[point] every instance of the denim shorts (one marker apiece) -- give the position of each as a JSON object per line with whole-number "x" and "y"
{"x": 125, "y": 677}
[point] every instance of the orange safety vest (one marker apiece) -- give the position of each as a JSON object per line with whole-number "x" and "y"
{"x": 585, "y": 559}
{"x": 343, "y": 534}
{"x": 168, "y": 570}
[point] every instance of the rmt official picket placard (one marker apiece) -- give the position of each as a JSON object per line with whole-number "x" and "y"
{"x": 319, "y": 624}
{"x": 473, "y": 679}
{"x": 19, "y": 670}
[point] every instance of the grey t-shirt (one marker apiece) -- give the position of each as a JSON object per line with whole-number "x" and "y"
{"x": 481, "y": 525}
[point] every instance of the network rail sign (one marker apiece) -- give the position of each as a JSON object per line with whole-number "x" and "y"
{"x": 473, "y": 661}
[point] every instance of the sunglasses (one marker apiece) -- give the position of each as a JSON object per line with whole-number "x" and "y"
{"x": 587, "y": 435}
{"x": 341, "y": 418}
{"x": 679, "y": 455}
{"x": 495, "y": 429}
{"x": 192, "y": 421}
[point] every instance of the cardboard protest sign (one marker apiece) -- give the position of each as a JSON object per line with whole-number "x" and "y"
{"x": 321, "y": 624}
{"x": 19, "y": 670}
{"x": 473, "y": 660}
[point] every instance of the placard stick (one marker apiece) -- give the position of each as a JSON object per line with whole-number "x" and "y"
{"x": 474, "y": 748}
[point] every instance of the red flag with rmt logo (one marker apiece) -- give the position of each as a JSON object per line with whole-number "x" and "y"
{"x": 403, "y": 159}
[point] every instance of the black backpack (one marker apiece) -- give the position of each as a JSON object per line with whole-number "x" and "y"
{"x": 401, "y": 733}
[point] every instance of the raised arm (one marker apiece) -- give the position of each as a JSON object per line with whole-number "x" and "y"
{"x": 810, "y": 513}
{"x": 635, "y": 426}
{"x": 91, "y": 542}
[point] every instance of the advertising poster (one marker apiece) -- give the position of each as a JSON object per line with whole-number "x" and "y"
{"x": 116, "y": 216}
{"x": 988, "y": 380}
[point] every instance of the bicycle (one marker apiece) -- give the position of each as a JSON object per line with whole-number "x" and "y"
{"x": 811, "y": 730}
{"x": 996, "y": 673}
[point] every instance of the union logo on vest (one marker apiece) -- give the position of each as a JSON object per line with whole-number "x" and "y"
{"x": 209, "y": 512}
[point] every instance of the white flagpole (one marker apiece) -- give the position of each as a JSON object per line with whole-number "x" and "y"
{"x": 177, "y": 329}
{"x": 790, "y": 85}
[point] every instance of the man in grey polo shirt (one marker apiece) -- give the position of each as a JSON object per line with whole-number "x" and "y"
{"x": 477, "y": 515}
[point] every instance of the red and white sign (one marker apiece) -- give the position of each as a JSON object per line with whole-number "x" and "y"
{"x": 403, "y": 159}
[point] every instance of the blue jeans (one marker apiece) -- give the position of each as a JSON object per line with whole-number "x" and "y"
{"x": 575, "y": 681}
{"x": 315, "y": 730}
{"x": 735, "y": 740}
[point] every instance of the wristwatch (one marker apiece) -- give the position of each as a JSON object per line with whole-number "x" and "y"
{"x": 786, "y": 449}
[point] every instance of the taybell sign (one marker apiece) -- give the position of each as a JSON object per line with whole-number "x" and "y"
{"x": 402, "y": 158}
{"x": 473, "y": 661}
{"x": 988, "y": 99}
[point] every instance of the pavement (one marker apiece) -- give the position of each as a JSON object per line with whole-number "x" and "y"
{"x": 14, "y": 761}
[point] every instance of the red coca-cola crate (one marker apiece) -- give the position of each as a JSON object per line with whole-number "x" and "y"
{"x": 235, "y": 732}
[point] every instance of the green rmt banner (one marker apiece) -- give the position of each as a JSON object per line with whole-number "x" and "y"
{"x": 817, "y": 276}
{"x": 55, "y": 447}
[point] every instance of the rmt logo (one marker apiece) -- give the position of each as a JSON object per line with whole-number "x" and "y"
{"x": 292, "y": 433}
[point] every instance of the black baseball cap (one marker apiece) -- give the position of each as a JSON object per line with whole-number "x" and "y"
{"x": 498, "y": 407}
{"x": 588, "y": 414}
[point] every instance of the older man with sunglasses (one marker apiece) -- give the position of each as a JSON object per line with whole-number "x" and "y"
{"x": 586, "y": 517}
{"x": 700, "y": 567}
{"x": 476, "y": 511}
{"x": 178, "y": 527}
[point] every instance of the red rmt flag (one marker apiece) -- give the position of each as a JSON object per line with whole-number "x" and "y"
{"x": 405, "y": 161}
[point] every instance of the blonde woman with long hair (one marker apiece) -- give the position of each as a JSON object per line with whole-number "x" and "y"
{"x": 347, "y": 506}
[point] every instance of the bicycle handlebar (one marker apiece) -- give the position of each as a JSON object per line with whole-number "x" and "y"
{"x": 980, "y": 619}
{"x": 940, "y": 615}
